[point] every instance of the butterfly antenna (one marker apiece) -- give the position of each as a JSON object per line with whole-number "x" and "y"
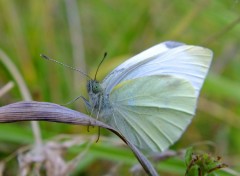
{"x": 104, "y": 56}
{"x": 47, "y": 58}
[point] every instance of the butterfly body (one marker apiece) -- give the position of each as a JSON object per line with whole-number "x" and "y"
{"x": 98, "y": 103}
{"x": 151, "y": 98}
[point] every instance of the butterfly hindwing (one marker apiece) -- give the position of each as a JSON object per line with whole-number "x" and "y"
{"x": 153, "y": 111}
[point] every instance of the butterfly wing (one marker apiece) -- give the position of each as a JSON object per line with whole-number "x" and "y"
{"x": 168, "y": 58}
{"x": 152, "y": 112}
{"x": 154, "y": 94}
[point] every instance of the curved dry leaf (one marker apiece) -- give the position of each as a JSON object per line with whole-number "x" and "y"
{"x": 43, "y": 111}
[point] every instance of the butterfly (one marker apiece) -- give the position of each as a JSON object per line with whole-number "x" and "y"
{"x": 151, "y": 98}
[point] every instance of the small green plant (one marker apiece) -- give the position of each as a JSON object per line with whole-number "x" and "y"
{"x": 202, "y": 164}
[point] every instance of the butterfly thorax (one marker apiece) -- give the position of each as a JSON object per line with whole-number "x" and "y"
{"x": 98, "y": 99}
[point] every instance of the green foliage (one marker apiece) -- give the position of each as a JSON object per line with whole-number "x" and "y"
{"x": 201, "y": 164}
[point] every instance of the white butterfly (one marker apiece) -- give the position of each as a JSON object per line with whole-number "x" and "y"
{"x": 151, "y": 98}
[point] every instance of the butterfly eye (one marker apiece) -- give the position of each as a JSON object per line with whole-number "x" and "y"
{"x": 93, "y": 86}
{"x": 96, "y": 87}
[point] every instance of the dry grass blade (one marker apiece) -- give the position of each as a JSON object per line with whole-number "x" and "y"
{"x": 11, "y": 67}
{"x": 32, "y": 110}
{"x": 43, "y": 111}
{"x": 6, "y": 88}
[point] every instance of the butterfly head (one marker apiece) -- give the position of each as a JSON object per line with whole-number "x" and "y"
{"x": 94, "y": 87}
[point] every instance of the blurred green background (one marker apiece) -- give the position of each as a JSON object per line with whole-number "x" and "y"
{"x": 78, "y": 33}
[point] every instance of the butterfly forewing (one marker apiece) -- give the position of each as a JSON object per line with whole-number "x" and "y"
{"x": 113, "y": 78}
{"x": 152, "y": 112}
{"x": 186, "y": 61}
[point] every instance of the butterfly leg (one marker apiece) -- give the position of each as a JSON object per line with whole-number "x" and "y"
{"x": 99, "y": 107}
{"x": 99, "y": 133}
{"x": 90, "y": 116}
{"x": 98, "y": 112}
{"x": 75, "y": 99}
